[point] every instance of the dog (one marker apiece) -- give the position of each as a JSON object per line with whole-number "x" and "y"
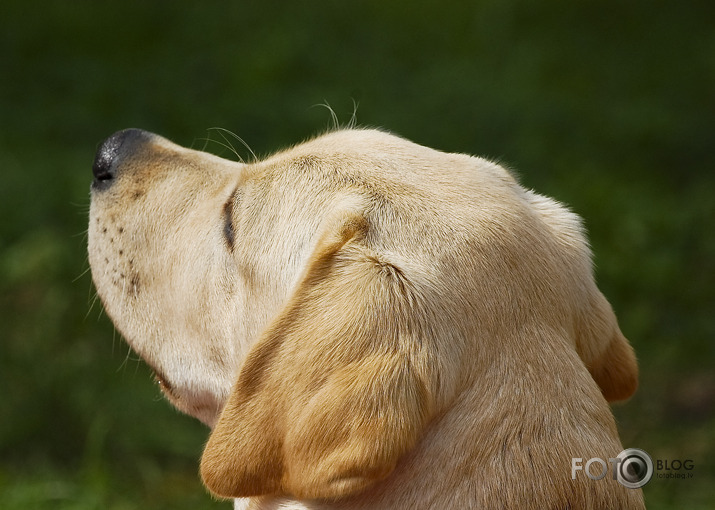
{"x": 364, "y": 323}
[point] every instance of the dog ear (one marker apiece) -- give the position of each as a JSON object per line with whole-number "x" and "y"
{"x": 606, "y": 352}
{"x": 335, "y": 391}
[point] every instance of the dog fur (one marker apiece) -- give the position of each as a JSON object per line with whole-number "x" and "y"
{"x": 365, "y": 323}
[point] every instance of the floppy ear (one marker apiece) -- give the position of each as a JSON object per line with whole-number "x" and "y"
{"x": 605, "y": 351}
{"x": 334, "y": 391}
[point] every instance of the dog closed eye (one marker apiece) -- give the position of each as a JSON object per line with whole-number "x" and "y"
{"x": 228, "y": 231}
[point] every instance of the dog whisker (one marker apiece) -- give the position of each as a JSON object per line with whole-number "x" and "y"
{"x": 333, "y": 115}
{"x": 221, "y": 131}
{"x": 226, "y": 146}
{"x": 352, "y": 123}
{"x": 82, "y": 274}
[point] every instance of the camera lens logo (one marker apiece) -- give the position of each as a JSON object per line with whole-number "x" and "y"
{"x": 635, "y": 468}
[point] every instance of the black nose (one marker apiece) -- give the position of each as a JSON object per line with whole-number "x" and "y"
{"x": 111, "y": 152}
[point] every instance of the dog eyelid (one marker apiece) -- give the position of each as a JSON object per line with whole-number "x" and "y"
{"x": 228, "y": 232}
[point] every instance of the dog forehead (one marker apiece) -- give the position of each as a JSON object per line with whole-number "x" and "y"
{"x": 384, "y": 166}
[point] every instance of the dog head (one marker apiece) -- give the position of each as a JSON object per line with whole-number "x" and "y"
{"x": 317, "y": 309}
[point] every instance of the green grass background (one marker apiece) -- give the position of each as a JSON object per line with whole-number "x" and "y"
{"x": 608, "y": 106}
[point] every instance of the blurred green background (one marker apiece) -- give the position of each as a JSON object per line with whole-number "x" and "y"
{"x": 608, "y": 106}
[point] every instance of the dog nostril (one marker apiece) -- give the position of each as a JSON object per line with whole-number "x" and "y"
{"x": 109, "y": 153}
{"x": 102, "y": 167}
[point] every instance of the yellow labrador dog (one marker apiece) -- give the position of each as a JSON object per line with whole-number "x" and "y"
{"x": 364, "y": 323}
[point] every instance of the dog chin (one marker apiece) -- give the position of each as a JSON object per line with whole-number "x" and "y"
{"x": 203, "y": 405}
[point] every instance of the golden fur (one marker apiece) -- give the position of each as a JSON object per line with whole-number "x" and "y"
{"x": 366, "y": 323}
